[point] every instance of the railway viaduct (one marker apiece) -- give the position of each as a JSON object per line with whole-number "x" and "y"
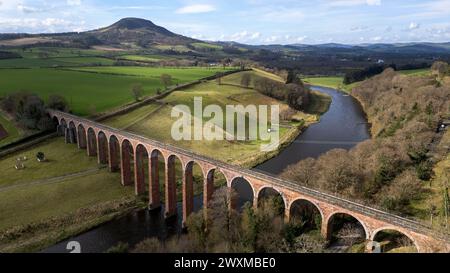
{"x": 128, "y": 154}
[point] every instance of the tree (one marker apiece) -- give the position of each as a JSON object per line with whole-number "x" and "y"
{"x": 58, "y": 102}
{"x": 402, "y": 190}
{"x": 166, "y": 80}
{"x": 219, "y": 76}
{"x": 246, "y": 79}
{"x": 303, "y": 173}
{"x": 351, "y": 234}
{"x": 292, "y": 77}
{"x": 137, "y": 91}
{"x": 225, "y": 220}
{"x": 440, "y": 69}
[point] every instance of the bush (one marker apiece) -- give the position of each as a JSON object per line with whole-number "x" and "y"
{"x": 58, "y": 102}
{"x": 40, "y": 156}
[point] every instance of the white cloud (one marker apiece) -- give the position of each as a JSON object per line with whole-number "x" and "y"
{"x": 272, "y": 39}
{"x": 301, "y": 39}
{"x": 413, "y": 25}
{"x": 373, "y": 2}
{"x": 74, "y": 2}
{"x": 27, "y": 9}
{"x": 9, "y": 4}
{"x": 199, "y": 8}
{"x": 376, "y": 38}
{"x": 244, "y": 36}
{"x": 350, "y": 3}
{"x": 36, "y": 25}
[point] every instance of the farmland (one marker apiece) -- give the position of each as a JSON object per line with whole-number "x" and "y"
{"x": 93, "y": 90}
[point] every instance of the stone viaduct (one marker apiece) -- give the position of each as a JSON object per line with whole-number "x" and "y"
{"x": 126, "y": 152}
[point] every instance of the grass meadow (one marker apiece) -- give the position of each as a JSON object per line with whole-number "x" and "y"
{"x": 94, "y": 89}
{"x": 228, "y": 93}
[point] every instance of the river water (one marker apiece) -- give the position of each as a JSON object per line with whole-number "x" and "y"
{"x": 343, "y": 126}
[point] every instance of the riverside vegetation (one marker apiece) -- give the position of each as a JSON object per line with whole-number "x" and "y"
{"x": 393, "y": 169}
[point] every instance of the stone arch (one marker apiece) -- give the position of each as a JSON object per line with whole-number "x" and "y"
{"x": 308, "y": 211}
{"x": 114, "y": 154}
{"x": 378, "y": 232}
{"x": 91, "y": 142}
{"x": 245, "y": 192}
{"x": 102, "y": 148}
{"x": 127, "y": 157}
{"x": 337, "y": 220}
{"x": 73, "y": 137}
{"x": 63, "y": 122}
{"x": 171, "y": 189}
{"x": 193, "y": 180}
{"x": 82, "y": 140}
{"x": 55, "y": 120}
{"x": 278, "y": 199}
{"x": 141, "y": 169}
{"x": 62, "y": 126}
{"x": 214, "y": 178}
{"x": 156, "y": 159}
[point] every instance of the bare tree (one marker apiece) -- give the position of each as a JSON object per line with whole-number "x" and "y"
{"x": 351, "y": 234}
{"x": 137, "y": 91}
{"x": 246, "y": 80}
{"x": 219, "y": 78}
{"x": 166, "y": 80}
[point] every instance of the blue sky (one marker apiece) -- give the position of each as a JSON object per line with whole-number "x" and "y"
{"x": 246, "y": 21}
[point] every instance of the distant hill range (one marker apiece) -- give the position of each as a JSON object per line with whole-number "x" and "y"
{"x": 141, "y": 33}
{"x": 134, "y": 34}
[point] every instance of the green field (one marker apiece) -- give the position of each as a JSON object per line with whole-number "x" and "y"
{"x": 143, "y": 58}
{"x": 68, "y": 181}
{"x": 338, "y": 82}
{"x": 331, "y": 82}
{"x": 89, "y": 93}
{"x": 54, "y": 62}
{"x": 13, "y": 132}
{"x": 416, "y": 72}
{"x": 206, "y": 45}
{"x": 228, "y": 93}
{"x": 179, "y": 75}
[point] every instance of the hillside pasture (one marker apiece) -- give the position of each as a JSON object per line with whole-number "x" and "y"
{"x": 228, "y": 93}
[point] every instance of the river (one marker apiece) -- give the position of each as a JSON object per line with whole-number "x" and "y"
{"x": 343, "y": 126}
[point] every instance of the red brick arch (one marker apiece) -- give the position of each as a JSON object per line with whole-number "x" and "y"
{"x": 310, "y": 201}
{"x": 280, "y": 192}
{"x": 402, "y": 231}
{"x": 328, "y": 219}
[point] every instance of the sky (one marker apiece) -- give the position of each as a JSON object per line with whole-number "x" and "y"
{"x": 245, "y": 21}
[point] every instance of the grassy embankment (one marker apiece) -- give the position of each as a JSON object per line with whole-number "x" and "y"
{"x": 245, "y": 153}
{"x": 434, "y": 194}
{"x": 46, "y": 202}
{"x": 13, "y": 133}
{"x": 338, "y": 82}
